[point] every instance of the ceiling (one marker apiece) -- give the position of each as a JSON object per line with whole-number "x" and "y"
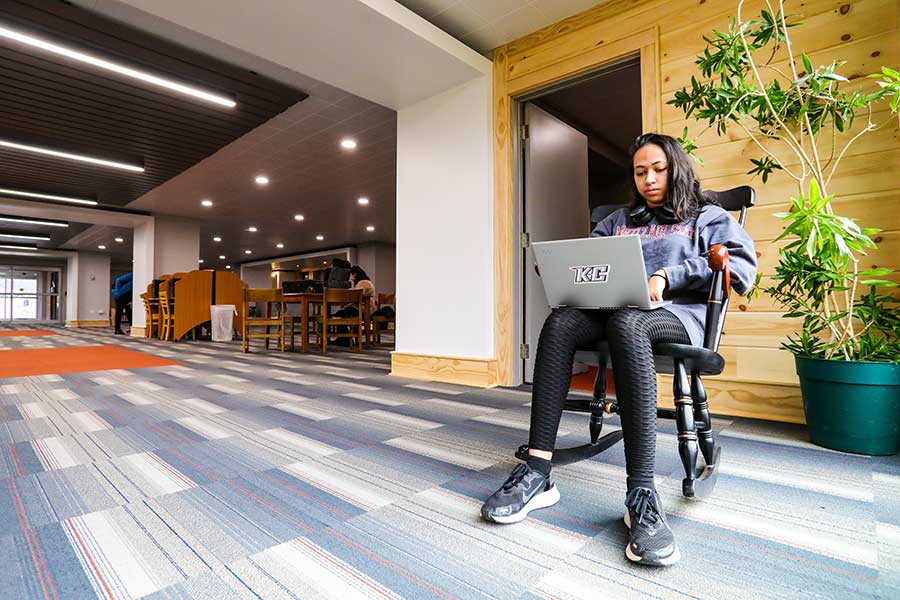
{"x": 486, "y": 24}
{"x": 294, "y": 139}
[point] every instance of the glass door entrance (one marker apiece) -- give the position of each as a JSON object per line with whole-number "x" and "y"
{"x": 29, "y": 294}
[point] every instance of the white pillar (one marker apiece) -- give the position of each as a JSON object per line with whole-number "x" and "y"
{"x": 87, "y": 289}
{"x": 162, "y": 246}
{"x": 445, "y": 238}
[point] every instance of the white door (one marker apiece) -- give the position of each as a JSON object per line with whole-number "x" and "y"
{"x": 556, "y": 206}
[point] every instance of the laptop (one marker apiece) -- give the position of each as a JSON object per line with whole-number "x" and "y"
{"x": 601, "y": 272}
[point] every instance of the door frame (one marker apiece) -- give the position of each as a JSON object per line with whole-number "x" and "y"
{"x": 512, "y": 86}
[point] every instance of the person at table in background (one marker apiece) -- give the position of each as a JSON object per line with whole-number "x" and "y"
{"x": 122, "y": 293}
{"x": 358, "y": 280}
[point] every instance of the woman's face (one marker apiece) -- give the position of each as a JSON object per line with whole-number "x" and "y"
{"x": 651, "y": 174}
{"x": 352, "y": 277}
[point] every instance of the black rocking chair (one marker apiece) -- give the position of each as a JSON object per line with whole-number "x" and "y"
{"x": 691, "y": 408}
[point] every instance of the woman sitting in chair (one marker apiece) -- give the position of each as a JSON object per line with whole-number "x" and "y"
{"x": 677, "y": 226}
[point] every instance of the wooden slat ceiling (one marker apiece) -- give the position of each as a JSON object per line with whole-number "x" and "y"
{"x": 51, "y": 101}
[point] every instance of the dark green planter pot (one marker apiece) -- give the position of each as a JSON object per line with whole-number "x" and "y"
{"x": 851, "y": 406}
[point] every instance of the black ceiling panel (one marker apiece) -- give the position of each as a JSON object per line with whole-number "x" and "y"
{"x": 51, "y": 101}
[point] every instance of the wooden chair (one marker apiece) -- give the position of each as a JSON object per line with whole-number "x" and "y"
{"x": 166, "y": 326}
{"x": 264, "y": 298}
{"x": 381, "y": 323}
{"x": 340, "y": 297}
{"x": 151, "y": 308}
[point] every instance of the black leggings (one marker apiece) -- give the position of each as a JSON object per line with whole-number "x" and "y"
{"x": 631, "y": 334}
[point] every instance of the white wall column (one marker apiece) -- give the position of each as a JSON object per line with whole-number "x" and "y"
{"x": 162, "y": 246}
{"x": 88, "y": 289}
{"x": 445, "y": 240}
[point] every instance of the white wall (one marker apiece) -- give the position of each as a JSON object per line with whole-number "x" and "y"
{"x": 177, "y": 246}
{"x": 258, "y": 277}
{"x": 379, "y": 262}
{"x": 88, "y": 287}
{"x": 445, "y": 246}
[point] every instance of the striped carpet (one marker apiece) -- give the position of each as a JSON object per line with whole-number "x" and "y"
{"x": 276, "y": 476}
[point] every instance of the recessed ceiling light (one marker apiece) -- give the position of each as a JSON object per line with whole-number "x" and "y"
{"x": 34, "y": 221}
{"x": 101, "y": 247}
{"x": 227, "y": 266}
{"x": 120, "y": 69}
{"x": 248, "y": 251}
{"x": 119, "y": 240}
{"x": 252, "y": 229}
{"x": 200, "y": 261}
{"x": 22, "y": 236}
{"x": 370, "y": 228}
{"x": 363, "y": 201}
{"x": 48, "y": 197}
{"x": 17, "y": 247}
{"x": 70, "y": 156}
{"x": 217, "y": 239}
{"x": 262, "y": 180}
{"x": 206, "y": 203}
{"x": 320, "y": 237}
{"x": 299, "y": 217}
{"x": 348, "y": 144}
{"x": 221, "y": 257}
{"x": 279, "y": 245}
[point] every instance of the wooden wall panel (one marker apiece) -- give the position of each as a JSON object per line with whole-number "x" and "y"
{"x": 759, "y": 379}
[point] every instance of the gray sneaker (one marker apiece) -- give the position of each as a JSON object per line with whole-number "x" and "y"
{"x": 524, "y": 491}
{"x": 650, "y": 541}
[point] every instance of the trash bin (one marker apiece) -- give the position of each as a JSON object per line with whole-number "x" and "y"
{"x": 222, "y": 319}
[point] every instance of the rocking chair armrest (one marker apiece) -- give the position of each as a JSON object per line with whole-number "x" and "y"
{"x": 720, "y": 288}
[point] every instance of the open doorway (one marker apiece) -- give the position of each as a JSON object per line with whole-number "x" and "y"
{"x": 575, "y": 171}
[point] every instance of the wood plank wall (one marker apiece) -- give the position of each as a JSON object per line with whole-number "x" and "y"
{"x": 759, "y": 379}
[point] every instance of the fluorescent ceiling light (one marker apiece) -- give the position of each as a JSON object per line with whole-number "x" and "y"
{"x": 119, "y": 240}
{"x": 252, "y": 229}
{"x": 217, "y": 239}
{"x": 370, "y": 228}
{"x": 279, "y": 246}
{"x": 101, "y": 247}
{"x": 348, "y": 144}
{"x": 363, "y": 201}
{"x": 20, "y": 236}
{"x": 221, "y": 257}
{"x": 17, "y": 247}
{"x": 116, "y": 68}
{"x": 320, "y": 237}
{"x": 248, "y": 251}
{"x": 262, "y": 180}
{"x": 200, "y": 261}
{"x": 48, "y": 197}
{"x": 68, "y": 155}
{"x": 299, "y": 217}
{"x": 206, "y": 203}
{"x": 28, "y": 221}
{"x": 227, "y": 266}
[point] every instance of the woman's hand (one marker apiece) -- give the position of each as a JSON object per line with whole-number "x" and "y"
{"x": 657, "y": 285}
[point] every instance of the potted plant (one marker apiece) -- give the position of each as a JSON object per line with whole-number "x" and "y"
{"x": 800, "y": 117}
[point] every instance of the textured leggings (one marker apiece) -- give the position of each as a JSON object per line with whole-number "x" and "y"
{"x": 631, "y": 334}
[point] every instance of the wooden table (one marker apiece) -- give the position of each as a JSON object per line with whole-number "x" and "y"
{"x": 304, "y": 300}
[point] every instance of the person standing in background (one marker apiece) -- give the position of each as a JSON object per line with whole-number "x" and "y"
{"x": 122, "y": 293}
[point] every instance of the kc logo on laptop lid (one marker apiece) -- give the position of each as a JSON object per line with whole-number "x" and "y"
{"x": 591, "y": 274}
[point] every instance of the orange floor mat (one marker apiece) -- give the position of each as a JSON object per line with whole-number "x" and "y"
{"x": 585, "y": 381}
{"x": 25, "y": 332}
{"x": 51, "y": 361}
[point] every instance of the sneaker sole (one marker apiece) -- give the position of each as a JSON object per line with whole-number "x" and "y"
{"x": 664, "y": 562}
{"x": 542, "y": 500}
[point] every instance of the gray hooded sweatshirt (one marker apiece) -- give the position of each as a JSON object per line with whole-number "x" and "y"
{"x": 682, "y": 250}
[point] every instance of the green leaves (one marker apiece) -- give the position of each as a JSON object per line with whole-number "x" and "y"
{"x": 763, "y": 166}
{"x": 689, "y": 147}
